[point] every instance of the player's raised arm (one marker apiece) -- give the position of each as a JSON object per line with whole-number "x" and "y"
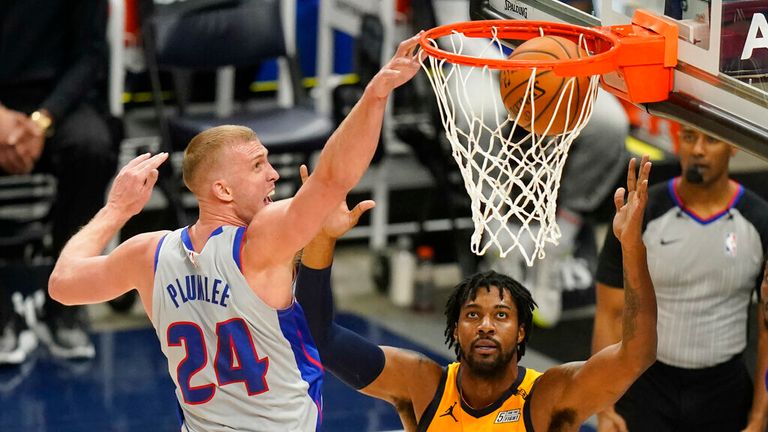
{"x": 404, "y": 378}
{"x": 387, "y": 373}
{"x": 81, "y": 274}
{"x": 288, "y": 226}
{"x": 578, "y": 390}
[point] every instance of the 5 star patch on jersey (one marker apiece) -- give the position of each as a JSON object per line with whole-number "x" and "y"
{"x": 508, "y": 416}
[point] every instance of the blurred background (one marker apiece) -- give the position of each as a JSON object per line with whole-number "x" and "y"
{"x": 303, "y": 66}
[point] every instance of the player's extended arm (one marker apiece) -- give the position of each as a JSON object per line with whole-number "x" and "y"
{"x": 582, "y": 389}
{"x": 81, "y": 275}
{"x": 387, "y": 373}
{"x": 342, "y": 162}
{"x": 344, "y": 353}
{"x": 758, "y": 415}
{"x": 383, "y": 372}
{"x": 609, "y": 307}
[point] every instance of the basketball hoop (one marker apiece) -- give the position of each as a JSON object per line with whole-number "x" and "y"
{"x": 512, "y": 174}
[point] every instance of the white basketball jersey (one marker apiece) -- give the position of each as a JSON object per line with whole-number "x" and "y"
{"x": 237, "y": 363}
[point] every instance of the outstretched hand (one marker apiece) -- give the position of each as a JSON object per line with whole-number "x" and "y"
{"x": 342, "y": 219}
{"x": 610, "y": 421}
{"x": 133, "y": 185}
{"x": 400, "y": 69}
{"x": 627, "y": 224}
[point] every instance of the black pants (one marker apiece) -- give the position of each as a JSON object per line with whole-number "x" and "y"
{"x": 667, "y": 398}
{"x": 82, "y": 156}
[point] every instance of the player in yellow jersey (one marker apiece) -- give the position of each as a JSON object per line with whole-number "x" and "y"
{"x": 489, "y": 319}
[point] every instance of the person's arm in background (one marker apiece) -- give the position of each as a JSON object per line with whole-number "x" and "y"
{"x": 758, "y": 415}
{"x": 86, "y": 57}
{"x": 609, "y": 308}
{"x": 13, "y": 126}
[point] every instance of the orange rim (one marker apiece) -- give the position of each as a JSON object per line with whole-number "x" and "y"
{"x": 604, "y": 44}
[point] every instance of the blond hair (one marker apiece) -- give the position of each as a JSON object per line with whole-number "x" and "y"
{"x": 203, "y": 150}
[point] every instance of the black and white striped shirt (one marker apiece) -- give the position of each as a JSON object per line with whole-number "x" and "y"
{"x": 703, "y": 271}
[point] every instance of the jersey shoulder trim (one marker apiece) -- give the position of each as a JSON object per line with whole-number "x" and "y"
{"x": 527, "y": 420}
{"x": 237, "y": 247}
{"x": 187, "y": 241}
{"x": 157, "y": 251}
{"x": 755, "y": 210}
{"x": 431, "y": 410}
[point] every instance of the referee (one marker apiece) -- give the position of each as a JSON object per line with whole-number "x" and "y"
{"x": 707, "y": 238}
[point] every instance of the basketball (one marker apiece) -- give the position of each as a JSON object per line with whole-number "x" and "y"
{"x": 547, "y": 87}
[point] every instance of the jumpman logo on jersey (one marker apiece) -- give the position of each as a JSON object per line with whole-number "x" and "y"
{"x": 449, "y": 412}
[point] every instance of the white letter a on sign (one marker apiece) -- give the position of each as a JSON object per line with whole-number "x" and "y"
{"x": 759, "y": 24}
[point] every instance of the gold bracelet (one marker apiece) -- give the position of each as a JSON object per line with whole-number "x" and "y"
{"x": 43, "y": 121}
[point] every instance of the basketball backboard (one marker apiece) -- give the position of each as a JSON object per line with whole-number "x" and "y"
{"x": 721, "y": 80}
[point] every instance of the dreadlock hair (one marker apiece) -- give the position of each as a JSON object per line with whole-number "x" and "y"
{"x": 467, "y": 290}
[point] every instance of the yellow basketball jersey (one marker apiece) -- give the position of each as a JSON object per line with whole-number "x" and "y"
{"x": 448, "y": 413}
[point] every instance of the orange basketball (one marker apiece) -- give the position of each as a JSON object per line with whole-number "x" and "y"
{"x": 547, "y": 87}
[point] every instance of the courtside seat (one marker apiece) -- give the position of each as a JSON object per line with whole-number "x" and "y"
{"x": 281, "y": 130}
{"x": 206, "y": 35}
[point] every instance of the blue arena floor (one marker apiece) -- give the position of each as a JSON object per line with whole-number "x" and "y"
{"x": 126, "y": 388}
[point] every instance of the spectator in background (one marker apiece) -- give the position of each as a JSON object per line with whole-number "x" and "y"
{"x": 707, "y": 237}
{"x": 53, "y": 58}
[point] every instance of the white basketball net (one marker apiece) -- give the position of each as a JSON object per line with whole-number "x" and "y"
{"x": 512, "y": 183}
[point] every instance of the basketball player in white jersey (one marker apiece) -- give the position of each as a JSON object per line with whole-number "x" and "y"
{"x": 219, "y": 292}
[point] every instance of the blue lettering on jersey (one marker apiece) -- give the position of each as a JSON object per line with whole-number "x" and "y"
{"x": 172, "y": 293}
{"x": 181, "y": 291}
{"x": 191, "y": 284}
{"x": 195, "y": 287}
{"x": 202, "y": 288}
{"x": 216, "y": 283}
{"x": 224, "y": 296}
